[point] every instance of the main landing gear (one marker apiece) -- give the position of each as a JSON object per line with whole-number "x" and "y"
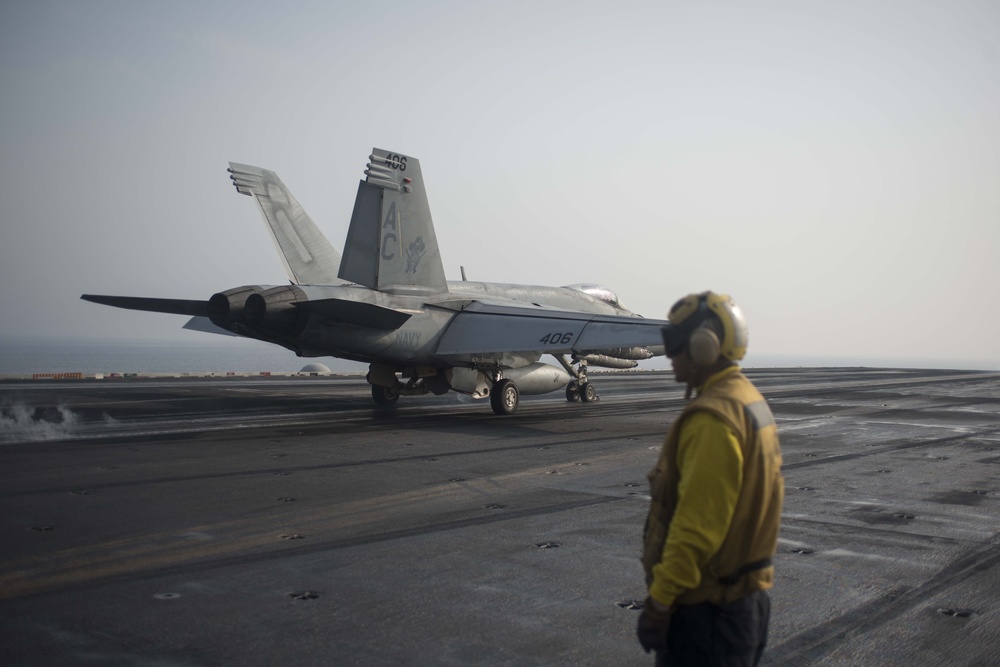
{"x": 504, "y": 397}
{"x": 480, "y": 381}
{"x": 385, "y": 396}
{"x": 386, "y": 387}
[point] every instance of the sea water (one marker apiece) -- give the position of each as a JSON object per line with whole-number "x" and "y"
{"x": 232, "y": 355}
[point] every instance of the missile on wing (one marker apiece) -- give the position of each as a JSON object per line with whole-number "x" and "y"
{"x": 617, "y": 357}
{"x": 605, "y": 361}
{"x": 636, "y": 353}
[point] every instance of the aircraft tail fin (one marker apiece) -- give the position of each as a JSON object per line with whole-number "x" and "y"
{"x": 391, "y": 243}
{"x": 308, "y": 256}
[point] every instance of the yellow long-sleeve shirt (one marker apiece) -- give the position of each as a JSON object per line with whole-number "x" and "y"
{"x": 716, "y": 494}
{"x": 711, "y": 474}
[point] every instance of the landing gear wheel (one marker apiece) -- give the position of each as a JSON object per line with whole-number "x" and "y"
{"x": 587, "y": 392}
{"x": 573, "y": 392}
{"x": 504, "y": 397}
{"x": 384, "y": 396}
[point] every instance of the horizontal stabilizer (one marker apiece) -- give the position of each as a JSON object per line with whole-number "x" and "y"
{"x": 356, "y": 312}
{"x": 484, "y": 328}
{"x": 172, "y": 306}
{"x": 205, "y": 325}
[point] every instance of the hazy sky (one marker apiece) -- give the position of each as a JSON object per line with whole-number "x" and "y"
{"x": 833, "y": 166}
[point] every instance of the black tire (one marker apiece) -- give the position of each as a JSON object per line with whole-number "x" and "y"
{"x": 384, "y": 396}
{"x": 573, "y": 392}
{"x": 504, "y": 397}
{"x": 587, "y": 392}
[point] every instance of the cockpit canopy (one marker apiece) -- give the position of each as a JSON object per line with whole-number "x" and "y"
{"x": 603, "y": 293}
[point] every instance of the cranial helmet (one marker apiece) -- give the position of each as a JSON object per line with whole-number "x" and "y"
{"x": 691, "y": 328}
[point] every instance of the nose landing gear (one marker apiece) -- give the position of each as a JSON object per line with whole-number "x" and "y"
{"x": 579, "y": 389}
{"x": 581, "y": 392}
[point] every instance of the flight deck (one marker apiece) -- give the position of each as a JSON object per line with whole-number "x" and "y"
{"x": 273, "y": 520}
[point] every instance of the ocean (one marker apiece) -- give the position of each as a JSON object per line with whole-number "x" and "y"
{"x": 232, "y": 355}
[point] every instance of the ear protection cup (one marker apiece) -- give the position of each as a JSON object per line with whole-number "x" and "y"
{"x": 703, "y": 347}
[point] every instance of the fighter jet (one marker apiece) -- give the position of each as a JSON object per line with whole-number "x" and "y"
{"x": 387, "y": 303}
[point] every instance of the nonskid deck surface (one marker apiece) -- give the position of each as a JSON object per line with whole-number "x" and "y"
{"x": 287, "y": 521}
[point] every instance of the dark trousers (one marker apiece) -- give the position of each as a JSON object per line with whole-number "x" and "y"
{"x": 709, "y": 635}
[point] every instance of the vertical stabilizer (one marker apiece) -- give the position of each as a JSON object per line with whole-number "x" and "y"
{"x": 391, "y": 243}
{"x": 309, "y": 258}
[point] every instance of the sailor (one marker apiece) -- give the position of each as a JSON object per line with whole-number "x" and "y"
{"x": 716, "y": 495}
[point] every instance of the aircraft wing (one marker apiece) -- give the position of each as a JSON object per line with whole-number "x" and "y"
{"x": 484, "y": 328}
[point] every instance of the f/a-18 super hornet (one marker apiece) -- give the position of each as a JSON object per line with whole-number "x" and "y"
{"x": 387, "y": 303}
